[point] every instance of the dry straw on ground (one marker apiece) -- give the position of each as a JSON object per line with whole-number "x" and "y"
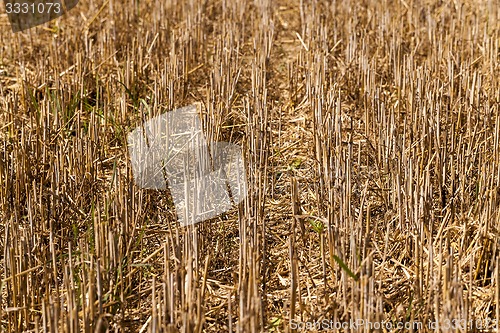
{"x": 371, "y": 135}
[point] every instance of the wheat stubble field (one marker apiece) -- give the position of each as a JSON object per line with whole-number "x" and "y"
{"x": 371, "y": 139}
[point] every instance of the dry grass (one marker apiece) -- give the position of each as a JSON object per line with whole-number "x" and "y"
{"x": 371, "y": 134}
